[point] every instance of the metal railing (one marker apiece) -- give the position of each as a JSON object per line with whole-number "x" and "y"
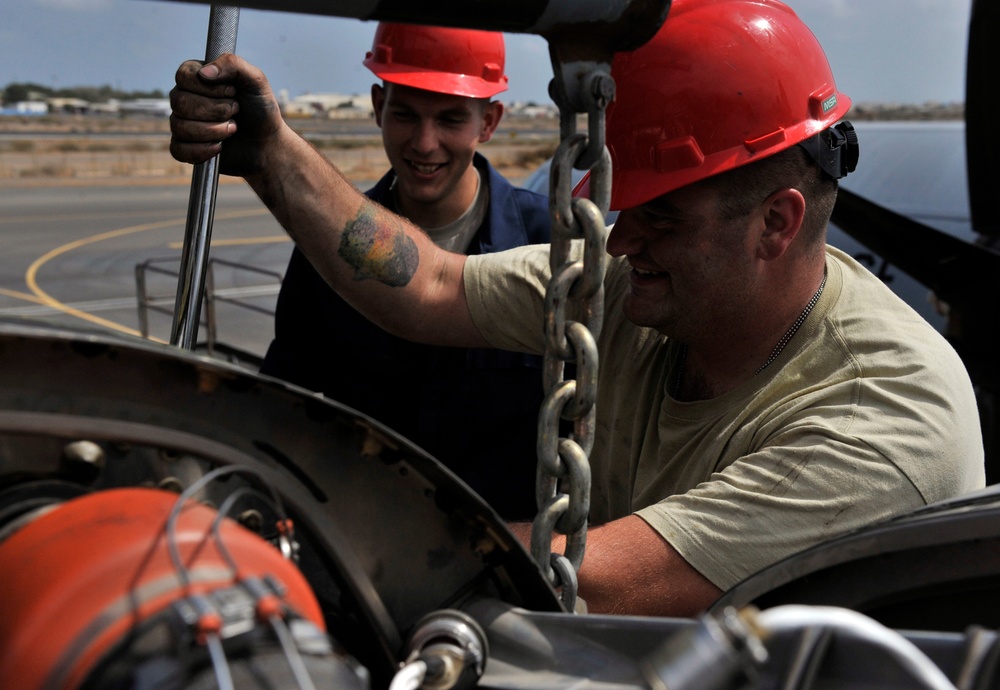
{"x": 165, "y": 303}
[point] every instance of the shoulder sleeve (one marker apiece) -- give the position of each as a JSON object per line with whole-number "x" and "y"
{"x": 506, "y": 295}
{"x": 777, "y": 502}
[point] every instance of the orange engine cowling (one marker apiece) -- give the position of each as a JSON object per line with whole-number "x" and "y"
{"x": 78, "y": 580}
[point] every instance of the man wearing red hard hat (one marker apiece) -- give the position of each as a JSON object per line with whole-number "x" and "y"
{"x": 476, "y": 410}
{"x": 760, "y": 392}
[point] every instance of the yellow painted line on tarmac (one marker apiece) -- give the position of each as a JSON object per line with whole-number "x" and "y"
{"x": 42, "y": 297}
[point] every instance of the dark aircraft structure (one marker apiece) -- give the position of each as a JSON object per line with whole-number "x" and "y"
{"x": 957, "y": 270}
{"x": 168, "y": 520}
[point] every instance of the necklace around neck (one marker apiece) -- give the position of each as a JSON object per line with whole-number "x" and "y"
{"x": 790, "y": 333}
{"x": 782, "y": 343}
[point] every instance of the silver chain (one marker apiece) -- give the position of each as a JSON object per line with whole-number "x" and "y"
{"x": 563, "y": 477}
{"x": 787, "y": 337}
{"x": 675, "y": 388}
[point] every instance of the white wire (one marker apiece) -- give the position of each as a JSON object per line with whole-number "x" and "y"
{"x": 410, "y": 677}
{"x": 222, "y": 513}
{"x": 171, "y": 527}
{"x": 219, "y": 664}
{"x": 295, "y": 662}
{"x": 854, "y": 624}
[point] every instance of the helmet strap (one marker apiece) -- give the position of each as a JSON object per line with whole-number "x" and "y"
{"x": 835, "y": 149}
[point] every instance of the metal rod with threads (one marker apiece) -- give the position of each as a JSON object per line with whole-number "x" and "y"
{"x": 222, "y": 25}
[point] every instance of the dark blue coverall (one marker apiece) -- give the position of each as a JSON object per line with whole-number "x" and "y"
{"x": 474, "y": 410}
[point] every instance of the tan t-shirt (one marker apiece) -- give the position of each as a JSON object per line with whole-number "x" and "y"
{"x": 867, "y": 413}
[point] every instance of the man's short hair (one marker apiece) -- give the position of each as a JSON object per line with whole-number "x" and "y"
{"x": 745, "y": 187}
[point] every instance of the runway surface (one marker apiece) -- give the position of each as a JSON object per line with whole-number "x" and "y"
{"x": 71, "y": 256}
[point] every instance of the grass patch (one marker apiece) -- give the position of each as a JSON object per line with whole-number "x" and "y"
{"x": 47, "y": 171}
{"x": 524, "y": 155}
{"x": 20, "y": 146}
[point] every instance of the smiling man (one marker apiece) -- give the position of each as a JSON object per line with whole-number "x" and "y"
{"x": 759, "y": 391}
{"x": 476, "y": 410}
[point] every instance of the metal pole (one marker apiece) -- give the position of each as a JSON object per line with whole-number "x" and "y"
{"x": 222, "y": 24}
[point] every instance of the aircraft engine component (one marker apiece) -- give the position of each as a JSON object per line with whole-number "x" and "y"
{"x": 386, "y": 571}
{"x": 448, "y": 649}
{"x": 102, "y": 569}
{"x": 373, "y": 514}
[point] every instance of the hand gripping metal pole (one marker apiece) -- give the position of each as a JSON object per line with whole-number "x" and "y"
{"x": 222, "y": 24}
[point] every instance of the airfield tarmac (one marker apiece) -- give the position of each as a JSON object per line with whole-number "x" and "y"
{"x": 71, "y": 254}
{"x": 81, "y": 211}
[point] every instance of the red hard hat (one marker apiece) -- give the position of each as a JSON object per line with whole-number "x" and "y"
{"x": 460, "y": 62}
{"x": 723, "y": 83}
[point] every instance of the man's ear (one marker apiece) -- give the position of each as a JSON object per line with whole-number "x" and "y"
{"x": 783, "y": 213}
{"x": 378, "y": 100}
{"x": 492, "y": 114}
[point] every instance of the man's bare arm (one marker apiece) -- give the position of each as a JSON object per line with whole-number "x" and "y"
{"x": 384, "y": 266}
{"x": 630, "y": 569}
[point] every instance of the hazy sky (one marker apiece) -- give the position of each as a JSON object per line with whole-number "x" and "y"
{"x": 907, "y": 51}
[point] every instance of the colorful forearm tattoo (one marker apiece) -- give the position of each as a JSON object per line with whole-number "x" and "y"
{"x": 379, "y": 249}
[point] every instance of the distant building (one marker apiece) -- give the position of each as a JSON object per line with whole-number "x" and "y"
{"x": 68, "y": 105}
{"x": 326, "y": 105}
{"x": 26, "y": 108}
{"x": 111, "y": 107}
{"x": 534, "y": 110}
{"x": 147, "y": 107}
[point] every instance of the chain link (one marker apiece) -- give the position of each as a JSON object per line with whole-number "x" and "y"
{"x": 576, "y": 289}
